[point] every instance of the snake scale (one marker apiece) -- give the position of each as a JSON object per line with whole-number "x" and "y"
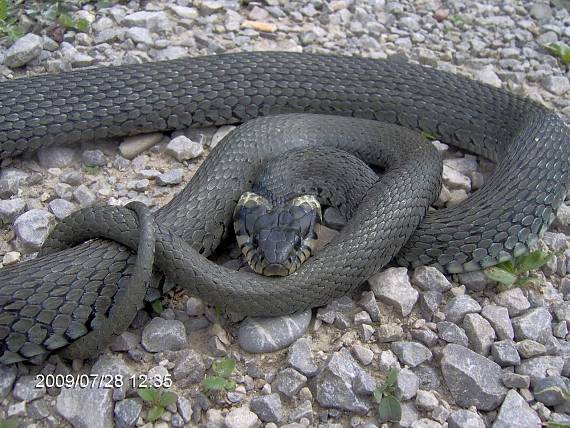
{"x": 65, "y": 295}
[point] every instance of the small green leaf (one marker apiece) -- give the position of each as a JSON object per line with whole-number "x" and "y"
{"x": 9, "y": 423}
{"x": 149, "y": 395}
{"x": 552, "y": 424}
{"x": 167, "y": 398}
{"x": 378, "y": 394}
{"x": 391, "y": 378}
{"x": 428, "y": 136}
{"x": 225, "y": 367}
{"x": 531, "y": 261}
{"x": 500, "y": 275}
{"x": 508, "y": 266}
{"x": 4, "y": 10}
{"x": 215, "y": 383}
{"x": 389, "y": 409}
{"x": 157, "y": 306}
{"x": 154, "y": 413}
{"x": 561, "y": 50}
{"x": 230, "y": 385}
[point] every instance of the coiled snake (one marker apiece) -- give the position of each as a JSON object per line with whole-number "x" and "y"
{"x": 51, "y": 301}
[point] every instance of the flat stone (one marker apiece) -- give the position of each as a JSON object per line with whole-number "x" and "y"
{"x": 474, "y": 281}
{"x": 472, "y": 379}
{"x": 487, "y": 75}
{"x": 529, "y": 348}
{"x": 429, "y": 303}
{"x": 389, "y": 333}
{"x": 454, "y": 180}
{"x": 505, "y": 353}
{"x": 183, "y": 148}
{"x": 464, "y": 419}
{"x": 268, "y": 334}
{"x": 171, "y": 177}
{"x": 341, "y": 382}
{"x": 393, "y": 287}
{"x": 241, "y": 417}
{"x": 84, "y": 196}
{"x": 498, "y": 317}
{"x": 61, "y": 208}
{"x": 515, "y": 412}
{"x": 411, "y": 353}
{"x": 452, "y": 333}
{"x": 515, "y": 380}
{"x": 23, "y": 50}
{"x": 407, "y": 385}
{"x": 127, "y": 412}
{"x": 534, "y": 324}
{"x": 558, "y": 85}
{"x": 26, "y": 389}
{"x": 153, "y": 21}
{"x": 33, "y": 227}
{"x": 133, "y": 146}
{"x": 140, "y": 35}
{"x": 56, "y": 157}
{"x": 94, "y": 158}
{"x": 7, "y": 378}
{"x": 480, "y": 333}
{"x": 190, "y": 365}
{"x": 86, "y": 407}
{"x": 10, "y": 209}
{"x": 126, "y": 341}
{"x": 514, "y": 300}
{"x": 539, "y": 367}
{"x": 429, "y": 278}
{"x": 550, "y": 390}
{"x": 164, "y": 335}
{"x": 268, "y": 408}
{"x": 426, "y": 400}
{"x": 289, "y": 382}
{"x": 459, "y": 306}
{"x": 184, "y": 408}
{"x": 364, "y": 354}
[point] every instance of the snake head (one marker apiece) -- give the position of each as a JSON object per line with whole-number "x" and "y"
{"x": 276, "y": 240}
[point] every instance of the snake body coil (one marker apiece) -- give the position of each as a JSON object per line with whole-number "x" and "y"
{"x": 42, "y": 300}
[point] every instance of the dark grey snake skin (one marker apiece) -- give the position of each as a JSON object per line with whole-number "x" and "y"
{"x": 46, "y": 302}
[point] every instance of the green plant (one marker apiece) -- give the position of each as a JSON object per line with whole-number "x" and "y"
{"x": 429, "y": 136}
{"x": 516, "y": 272}
{"x": 222, "y": 371}
{"x": 157, "y": 400}
{"x": 552, "y": 424}
{"x": 8, "y": 21}
{"x": 157, "y": 307}
{"x": 561, "y": 50}
{"x": 9, "y": 423}
{"x": 389, "y": 408}
{"x": 57, "y": 12}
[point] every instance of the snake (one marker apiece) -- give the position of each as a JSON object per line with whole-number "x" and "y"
{"x": 68, "y": 294}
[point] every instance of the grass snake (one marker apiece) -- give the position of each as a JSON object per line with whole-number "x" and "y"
{"x": 64, "y": 295}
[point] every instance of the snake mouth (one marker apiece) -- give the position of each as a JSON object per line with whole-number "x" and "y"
{"x": 276, "y": 241}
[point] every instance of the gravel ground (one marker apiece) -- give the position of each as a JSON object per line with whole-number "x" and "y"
{"x": 467, "y": 353}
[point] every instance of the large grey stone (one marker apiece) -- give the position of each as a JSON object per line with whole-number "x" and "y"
{"x": 514, "y": 300}
{"x": 480, "y": 333}
{"x": 498, "y": 317}
{"x": 241, "y": 417}
{"x": 464, "y": 419}
{"x": 268, "y": 408}
{"x": 300, "y": 357}
{"x": 539, "y": 367}
{"x": 164, "y": 335}
{"x": 341, "y": 383}
{"x": 23, "y": 50}
{"x": 429, "y": 278}
{"x": 550, "y": 390}
{"x": 534, "y": 325}
{"x": 452, "y": 333}
{"x": 33, "y": 227}
{"x": 268, "y": 334}
{"x": 472, "y": 379}
{"x": 411, "y": 353}
{"x": 515, "y": 412}
{"x": 86, "y": 407}
{"x": 127, "y": 412}
{"x": 459, "y": 306}
{"x": 10, "y": 209}
{"x": 393, "y": 286}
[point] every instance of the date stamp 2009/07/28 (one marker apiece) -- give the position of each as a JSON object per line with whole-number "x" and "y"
{"x": 102, "y": 381}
